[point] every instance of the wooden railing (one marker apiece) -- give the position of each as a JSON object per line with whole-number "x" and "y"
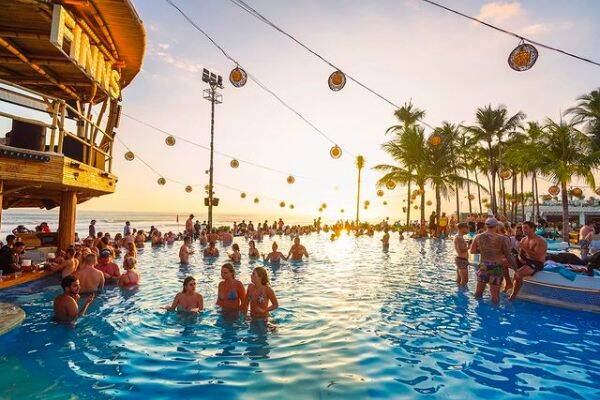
{"x": 88, "y": 134}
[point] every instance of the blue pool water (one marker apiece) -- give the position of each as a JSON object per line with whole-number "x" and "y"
{"x": 353, "y": 322}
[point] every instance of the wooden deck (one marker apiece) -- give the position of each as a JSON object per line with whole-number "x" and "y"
{"x": 9, "y": 281}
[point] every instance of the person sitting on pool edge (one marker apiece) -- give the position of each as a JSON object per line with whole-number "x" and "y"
{"x": 531, "y": 258}
{"x": 275, "y": 256}
{"x": 259, "y": 294}
{"x": 185, "y": 251}
{"x": 66, "y": 308}
{"x": 211, "y": 250}
{"x": 188, "y": 299}
{"x": 90, "y": 279}
{"x": 130, "y": 277}
{"x": 231, "y": 293}
{"x": 297, "y": 251}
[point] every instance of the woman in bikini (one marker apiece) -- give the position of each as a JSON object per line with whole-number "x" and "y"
{"x": 260, "y": 294}
{"x": 232, "y": 294}
{"x": 274, "y": 256}
{"x": 236, "y": 256}
{"x": 188, "y": 299}
{"x": 252, "y": 250}
{"x": 130, "y": 277}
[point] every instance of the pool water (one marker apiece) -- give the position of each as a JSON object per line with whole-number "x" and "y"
{"x": 354, "y": 322}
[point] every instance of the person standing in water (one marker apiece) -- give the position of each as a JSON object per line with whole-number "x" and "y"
{"x": 66, "y": 308}
{"x": 231, "y": 295}
{"x": 275, "y": 256}
{"x": 252, "y": 250}
{"x": 385, "y": 240}
{"x": 187, "y": 299}
{"x": 462, "y": 255}
{"x": 189, "y": 226}
{"x": 130, "y": 277}
{"x": 297, "y": 251}
{"x": 236, "y": 256}
{"x": 260, "y": 294}
{"x": 185, "y": 251}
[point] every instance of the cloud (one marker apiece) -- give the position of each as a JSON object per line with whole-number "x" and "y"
{"x": 164, "y": 46}
{"x": 182, "y": 64}
{"x": 499, "y": 11}
{"x": 535, "y": 29}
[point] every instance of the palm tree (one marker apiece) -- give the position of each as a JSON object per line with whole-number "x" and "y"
{"x": 588, "y": 111}
{"x": 360, "y": 164}
{"x": 567, "y": 153}
{"x": 492, "y": 125}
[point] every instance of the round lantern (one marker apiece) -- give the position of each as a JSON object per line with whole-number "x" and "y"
{"x": 380, "y": 193}
{"x": 234, "y": 163}
{"x": 505, "y": 174}
{"x": 335, "y": 152}
{"x": 366, "y": 207}
{"x": 282, "y": 204}
{"x": 597, "y": 191}
{"x": 435, "y": 140}
{"x": 342, "y": 211}
{"x": 577, "y": 192}
{"x": 162, "y": 181}
{"x": 390, "y": 185}
{"x": 416, "y": 207}
{"x": 129, "y": 156}
{"x": 367, "y": 203}
{"x": 256, "y": 200}
{"x": 320, "y": 210}
{"x": 188, "y": 188}
{"x": 385, "y": 203}
{"x": 238, "y": 77}
{"x": 336, "y": 81}
{"x": 292, "y": 207}
{"x": 324, "y": 206}
{"x": 523, "y": 57}
{"x": 429, "y": 202}
{"x": 291, "y": 180}
{"x": 243, "y": 195}
{"x": 471, "y": 197}
{"x": 554, "y": 190}
{"x": 170, "y": 140}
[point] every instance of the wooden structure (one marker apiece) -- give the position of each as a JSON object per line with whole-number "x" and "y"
{"x": 65, "y": 61}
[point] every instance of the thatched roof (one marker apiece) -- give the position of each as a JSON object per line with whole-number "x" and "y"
{"x": 25, "y": 28}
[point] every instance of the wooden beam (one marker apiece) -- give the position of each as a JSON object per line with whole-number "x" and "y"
{"x": 1, "y": 200}
{"x": 46, "y": 83}
{"x": 44, "y": 61}
{"x": 24, "y": 35}
{"x": 15, "y": 190}
{"x": 66, "y": 219}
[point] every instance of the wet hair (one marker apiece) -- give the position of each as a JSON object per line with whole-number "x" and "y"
{"x": 274, "y": 245}
{"x": 67, "y": 281}
{"x": 129, "y": 263}
{"x": 252, "y": 242}
{"x": 262, "y": 274}
{"x": 530, "y": 224}
{"x": 186, "y": 281}
{"x": 235, "y": 247}
{"x": 10, "y": 237}
{"x": 230, "y": 268}
{"x": 90, "y": 259}
{"x": 462, "y": 225}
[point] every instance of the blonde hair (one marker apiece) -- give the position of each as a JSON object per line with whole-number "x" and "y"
{"x": 262, "y": 274}
{"x": 129, "y": 263}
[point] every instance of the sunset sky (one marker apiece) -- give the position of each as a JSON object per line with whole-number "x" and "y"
{"x": 404, "y": 49}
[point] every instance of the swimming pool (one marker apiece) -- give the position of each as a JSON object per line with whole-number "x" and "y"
{"x": 353, "y": 322}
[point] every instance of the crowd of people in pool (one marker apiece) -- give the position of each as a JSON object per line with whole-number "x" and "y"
{"x": 88, "y": 265}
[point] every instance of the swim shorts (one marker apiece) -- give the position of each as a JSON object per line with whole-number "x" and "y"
{"x": 461, "y": 263}
{"x": 489, "y": 272}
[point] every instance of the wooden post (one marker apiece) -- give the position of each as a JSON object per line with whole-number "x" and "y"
{"x": 1, "y": 200}
{"x": 66, "y": 219}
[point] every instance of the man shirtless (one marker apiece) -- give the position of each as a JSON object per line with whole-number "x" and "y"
{"x": 462, "y": 255}
{"x": 385, "y": 240}
{"x": 66, "y": 308}
{"x": 185, "y": 251}
{"x": 493, "y": 250}
{"x": 532, "y": 255}
{"x": 68, "y": 265}
{"x": 91, "y": 280}
{"x": 189, "y": 226}
{"x": 297, "y": 251}
{"x": 211, "y": 250}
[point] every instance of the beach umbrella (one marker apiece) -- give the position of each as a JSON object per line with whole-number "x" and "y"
{"x": 170, "y": 140}
{"x": 335, "y": 152}
{"x": 337, "y": 81}
{"x": 129, "y": 156}
{"x": 234, "y": 163}
{"x": 523, "y": 57}
{"x": 238, "y": 77}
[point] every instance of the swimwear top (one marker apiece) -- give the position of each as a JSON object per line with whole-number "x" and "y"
{"x": 133, "y": 280}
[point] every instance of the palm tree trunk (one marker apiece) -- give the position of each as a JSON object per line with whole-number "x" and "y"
{"x": 522, "y": 198}
{"x": 503, "y": 194}
{"x": 494, "y": 200}
{"x": 533, "y": 205}
{"x": 537, "y": 198}
{"x": 358, "y": 198}
{"x": 457, "y": 203}
{"x": 469, "y": 192}
{"x": 513, "y": 204}
{"x": 438, "y": 207}
{"x": 423, "y": 222}
{"x": 565, "y": 211}
{"x": 409, "y": 206}
{"x": 478, "y": 192}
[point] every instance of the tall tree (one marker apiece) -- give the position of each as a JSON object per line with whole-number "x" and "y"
{"x": 360, "y": 164}
{"x": 588, "y": 111}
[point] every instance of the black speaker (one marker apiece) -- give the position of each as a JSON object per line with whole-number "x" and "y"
{"x": 25, "y": 135}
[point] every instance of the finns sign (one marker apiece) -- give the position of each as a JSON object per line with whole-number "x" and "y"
{"x": 70, "y": 38}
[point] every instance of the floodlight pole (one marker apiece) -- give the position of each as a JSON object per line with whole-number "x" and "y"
{"x": 214, "y": 97}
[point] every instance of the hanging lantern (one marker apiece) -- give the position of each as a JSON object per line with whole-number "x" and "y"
{"x": 597, "y": 191}
{"x": 554, "y": 190}
{"x": 523, "y": 57}
{"x": 320, "y": 210}
{"x": 546, "y": 197}
{"x": 290, "y": 179}
{"x": 170, "y": 140}
{"x": 282, "y": 204}
{"x": 342, "y": 211}
{"x": 484, "y": 200}
{"x": 243, "y": 195}
{"x": 390, "y": 185}
{"x": 514, "y": 201}
{"x": 435, "y": 140}
{"x": 367, "y": 203}
{"x": 206, "y": 188}
{"x": 337, "y": 80}
{"x": 324, "y": 206}
{"x": 234, "y": 163}
{"x": 162, "y": 181}
{"x": 505, "y": 174}
{"x": 129, "y": 156}
{"x": 471, "y": 197}
{"x": 256, "y": 200}
{"x": 366, "y": 207}
{"x": 429, "y": 202}
{"x": 380, "y": 193}
{"x": 292, "y": 207}
{"x": 385, "y": 203}
{"x": 421, "y": 192}
{"x": 188, "y": 189}
{"x": 335, "y": 152}
{"x": 577, "y": 192}
{"x": 238, "y": 77}
{"x": 416, "y": 207}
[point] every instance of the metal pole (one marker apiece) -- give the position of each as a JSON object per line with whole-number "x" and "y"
{"x": 212, "y": 137}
